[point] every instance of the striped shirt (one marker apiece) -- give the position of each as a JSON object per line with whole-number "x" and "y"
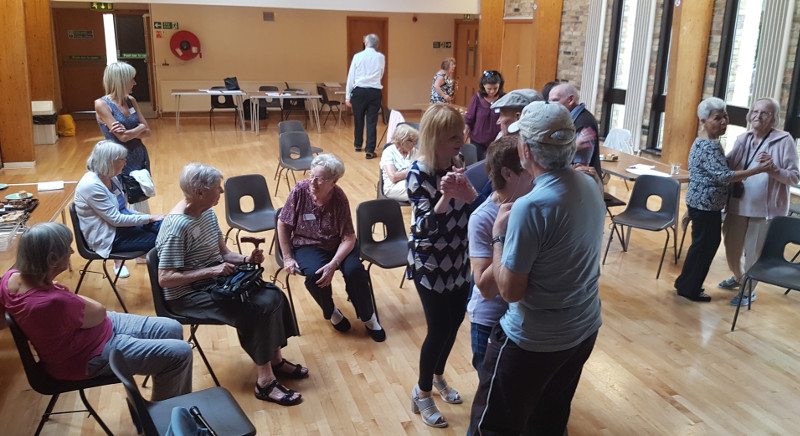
{"x": 187, "y": 243}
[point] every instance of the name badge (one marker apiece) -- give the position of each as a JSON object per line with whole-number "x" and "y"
{"x": 133, "y": 110}
{"x": 309, "y": 217}
{"x": 195, "y": 233}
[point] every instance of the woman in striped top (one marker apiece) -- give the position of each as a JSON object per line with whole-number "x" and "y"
{"x": 192, "y": 252}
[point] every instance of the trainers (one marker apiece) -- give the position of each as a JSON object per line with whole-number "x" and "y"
{"x": 730, "y": 283}
{"x": 123, "y": 272}
{"x": 745, "y": 300}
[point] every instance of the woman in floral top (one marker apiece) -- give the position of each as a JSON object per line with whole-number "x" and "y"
{"x": 443, "y": 88}
{"x": 709, "y": 178}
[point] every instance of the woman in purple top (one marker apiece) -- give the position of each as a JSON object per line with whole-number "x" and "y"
{"x": 316, "y": 234}
{"x": 481, "y": 119}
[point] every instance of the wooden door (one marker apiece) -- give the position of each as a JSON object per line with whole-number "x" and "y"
{"x": 468, "y": 64}
{"x": 81, "y": 53}
{"x": 132, "y": 48}
{"x": 357, "y": 29}
{"x": 516, "y": 58}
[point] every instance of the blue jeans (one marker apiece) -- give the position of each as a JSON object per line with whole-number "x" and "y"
{"x": 480, "y": 339}
{"x": 151, "y": 346}
{"x": 137, "y": 238}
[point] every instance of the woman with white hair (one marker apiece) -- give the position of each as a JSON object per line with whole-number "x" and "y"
{"x": 118, "y": 116}
{"x": 757, "y": 200}
{"x": 709, "y": 178}
{"x": 107, "y": 224}
{"x": 192, "y": 252}
{"x": 396, "y": 159}
{"x": 317, "y": 237}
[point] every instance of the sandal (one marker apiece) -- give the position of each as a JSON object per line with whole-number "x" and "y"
{"x": 427, "y": 409}
{"x": 297, "y": 373}
{"x": 286, "y": 399}
{"x": 448, "y": 394}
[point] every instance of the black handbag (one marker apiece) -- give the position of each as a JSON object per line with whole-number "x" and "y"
{"x": 238, "y": 285}
{"x": 231, "y": 83}
{"x": 133, "y": 190}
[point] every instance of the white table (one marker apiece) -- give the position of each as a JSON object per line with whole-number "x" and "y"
{"x": 255, "y": 96}
{"x": 238, "y": 97}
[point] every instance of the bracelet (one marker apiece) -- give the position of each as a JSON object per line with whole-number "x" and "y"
{"x": 338, "y": 264}
{"x": 245, "y": 260}
{"x": 498, "y": 239}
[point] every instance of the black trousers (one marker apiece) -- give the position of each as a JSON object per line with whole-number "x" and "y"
{"x": 526, "y": 392}
{"x": 366, "y": 104}
{"x": 706, "y": 236}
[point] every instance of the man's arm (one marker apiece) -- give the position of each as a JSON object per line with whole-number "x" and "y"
{"x": 512, "y": 285}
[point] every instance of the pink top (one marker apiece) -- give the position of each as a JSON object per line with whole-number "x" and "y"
{"x": 52, "y": 317}
{"x": 766, "y": 195}
{"x": 315, "y": 225}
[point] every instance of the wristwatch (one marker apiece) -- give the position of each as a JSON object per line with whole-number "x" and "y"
{"x": 500, "y": 239}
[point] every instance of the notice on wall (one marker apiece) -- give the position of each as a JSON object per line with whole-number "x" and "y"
{"x": 165, "y": 25}
{"x": 80, "y": 34}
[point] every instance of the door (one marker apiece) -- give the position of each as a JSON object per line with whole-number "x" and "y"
{"x": 515, "y": 60}
{"x": 132, "y": 48}
{"x": 81, "y": 53}
{"x": 468, "y": 73}
{"x": 357, "y": 29}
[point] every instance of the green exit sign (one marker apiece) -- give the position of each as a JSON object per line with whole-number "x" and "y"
{"x": 95, "y": 6}
{"x": 165, "y": 25}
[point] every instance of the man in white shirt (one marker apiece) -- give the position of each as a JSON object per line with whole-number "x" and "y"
{"x": 364, "y": 92}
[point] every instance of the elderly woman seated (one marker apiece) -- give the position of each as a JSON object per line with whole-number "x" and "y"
{"x": 73, "y": 334}
{"x": 316, "y": 234}
{"x": 396, "y": 160}
{"x": 192, "y": 252}
{"x": 106, "y": 222}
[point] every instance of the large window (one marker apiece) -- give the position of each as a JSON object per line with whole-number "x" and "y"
{"x": 655, "y": 135}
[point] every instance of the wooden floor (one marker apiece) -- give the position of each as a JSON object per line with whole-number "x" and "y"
{"x": 662, "y": 365}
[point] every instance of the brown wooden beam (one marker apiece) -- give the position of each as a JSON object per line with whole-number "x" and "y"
{"x": 16, "y": 121}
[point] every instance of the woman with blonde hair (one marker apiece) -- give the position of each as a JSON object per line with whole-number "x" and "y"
{"x": 118, "y": 116}
{"x": 396, "y": 160}
{"x": 441, "y": 198}
{"x": 444, "y": 88}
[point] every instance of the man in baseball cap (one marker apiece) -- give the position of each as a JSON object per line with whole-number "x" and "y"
{"x": 545, "y": 259}
{"x": 510, "y": 106}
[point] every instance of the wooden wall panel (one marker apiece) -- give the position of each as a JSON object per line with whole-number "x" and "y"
{"x": 691, "y": 25}
{"x": 490, "y": 38}
{"x": 547, "y": 31}
{"x": 16, "y": 124}
{"x": 40, "y": 49}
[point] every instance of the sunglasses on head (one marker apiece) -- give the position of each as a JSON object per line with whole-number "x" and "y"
{"x": 489, "y": 73}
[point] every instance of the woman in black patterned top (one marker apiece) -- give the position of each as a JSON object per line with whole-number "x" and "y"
{"x": 440, "y": 196}
{"x": 709, "y": 178}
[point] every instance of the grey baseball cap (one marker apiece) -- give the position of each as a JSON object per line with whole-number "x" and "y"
{"x": 518, "y": 98}
{"x": 545, "y": 123}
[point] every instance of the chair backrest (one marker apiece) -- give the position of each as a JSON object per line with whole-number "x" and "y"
{"x": 323, "y": 93}
{"x": 294, "y": 104}
{"x": 476, "y": 174}
{"x": 469, "y": 153}
{"x": 619, "y": 139}
{"x": 37, "y": 376}
{"x": 275, "y": 102}
{"x": 80, "y": 241}
{"x": 395, "y": 118}
{"x": 380, "y": 192}
{"x": 385, "y": 112}
{"x": 248, "y": 185}
{"x": 137, "y": 405}
{"x": 666, "y": 188}
{"x": 290, "y": 126}
{"x": 382, "y": 210}
{"x": 278, "y": 251}
{"x": 221, "y": 101}
{"x": 294, "y": 140}
{"x": 158, "y": 291}
{"x": 782, "y": 230}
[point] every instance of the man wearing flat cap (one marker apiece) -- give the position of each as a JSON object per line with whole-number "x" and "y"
{"x": 510, "y": 106}
{"x": 546, "y": 261}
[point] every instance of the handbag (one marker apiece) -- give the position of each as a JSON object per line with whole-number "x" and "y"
{"x": 133, "y": 190}
{"x": 238, "y": 285}
{"x": 231, "y": 83}
{"x": 737, "y": 189}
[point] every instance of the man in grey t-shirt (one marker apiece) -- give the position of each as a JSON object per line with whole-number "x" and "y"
{"x": 546, "y": 253}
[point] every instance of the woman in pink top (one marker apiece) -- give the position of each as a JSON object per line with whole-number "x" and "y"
{"x": 762, "y": 197}
{"x": 73, "y": 334}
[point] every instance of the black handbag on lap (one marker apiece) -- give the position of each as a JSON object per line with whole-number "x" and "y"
{"x": 238, "y": 285}
{"x": 133, "y": 190}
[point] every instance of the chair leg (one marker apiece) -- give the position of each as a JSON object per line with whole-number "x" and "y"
{"x": 683, "y": 238}
{"x": 663, "y": 254}
{"x": 196, "y": 344}
{"x": 113, "y": 284}
{"x": 238, "y": 242}
{"x": 83, "y": 274}
{"x": 675, "y": 242}
{"x": 94, "y": 414}
{"x": 610, "y": 237}
{"x": 291, "y": 302}
{"x": 272, "y": 244}
{"x": 46, "y": 415}
{"x": 372, "y": 294}
{"x": 739, "y": 306}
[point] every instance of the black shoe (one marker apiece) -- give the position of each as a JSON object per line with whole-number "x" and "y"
{"x": 371, "y": 155}
{"x": 358, "y": 149}
{"x": 700, "y": 297}
{"x": 343, "y": 325}
{"x": 377, "y": 335}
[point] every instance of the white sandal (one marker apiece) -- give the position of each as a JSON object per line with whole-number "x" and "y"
{"x": 427, "y": 409}
{"x": 448, "y": 394}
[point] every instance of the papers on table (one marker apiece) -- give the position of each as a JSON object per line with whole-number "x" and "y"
{"x": 50, "y": 186}
{"x": 641, "y": 169}
{"x": 277, "y": 94}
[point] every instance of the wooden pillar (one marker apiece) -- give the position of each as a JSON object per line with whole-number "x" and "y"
{"x": 691, "y": 26}
{"x": 546, "y": 34}
{"x": 490, "y": 34}
{"x": 38, "y": 29}
{"x": 16, "y": 122}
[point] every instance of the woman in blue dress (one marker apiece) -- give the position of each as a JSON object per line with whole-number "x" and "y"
{"x": 118, "y": 118}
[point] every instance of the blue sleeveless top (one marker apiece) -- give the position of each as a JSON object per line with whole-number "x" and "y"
{"x": 137, "y": 153}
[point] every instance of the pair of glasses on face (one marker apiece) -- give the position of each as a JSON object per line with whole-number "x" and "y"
{"x": 760, "y": 114}
{"x": 489, "y": 73}
{"x": 320, "y": 180}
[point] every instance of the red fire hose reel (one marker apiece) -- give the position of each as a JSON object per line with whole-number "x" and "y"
{"x": 185, "y": 45}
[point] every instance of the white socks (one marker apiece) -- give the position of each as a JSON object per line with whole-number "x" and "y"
{"x": 337, "y": 316}
{"x": 372, "y": 323}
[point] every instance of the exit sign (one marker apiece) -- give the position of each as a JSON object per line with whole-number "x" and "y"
{"x": 165, "y": 25}
{"x": 95, "y": 6}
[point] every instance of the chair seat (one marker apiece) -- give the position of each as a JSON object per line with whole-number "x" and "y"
{"x": 611, "y": 201}
{"x": 644, "y": 220}
{"x": 254, "y": 222}
{"x": 777, "y": 272}
{"x": 300, "y": 164}
{"x": 316, "y": 150}
{"x": 125, "y": 255}
{"x": 217, "y": 406}
{"x": 386, "y": 255}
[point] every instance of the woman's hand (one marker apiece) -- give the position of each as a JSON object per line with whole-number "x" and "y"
{"x": 256, "y": 257}
{"x": 223, "y": 269}
{"x": 290, "y": 265}
{"x": 501, "y": 222}
{"x": 117, "y": 127}
{"x": 157, "y": 217}
{"x": 326, "y": 273}
{"x": 447, "y": 98}
{"x": 456, "y": 185}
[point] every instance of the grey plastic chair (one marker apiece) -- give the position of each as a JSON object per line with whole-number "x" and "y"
{"x": 296, "y": 126}
{"x": 279, "y": 261}
{"x": 636, "y": 215}
{"x": 295, "y": 155}
{"x": 771, "y": 266}
{"x": 261, "y": 218}
{"x": 152, "y": 418}
{"x": 222, "y": 102}
{"x": 328, "y": 102}
{"x": 469, "y": 153}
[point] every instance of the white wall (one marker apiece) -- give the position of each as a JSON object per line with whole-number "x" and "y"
{"x": 299, "y": 46}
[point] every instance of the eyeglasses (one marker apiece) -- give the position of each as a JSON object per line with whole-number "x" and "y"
{"x": 489, "y": 73}
{"x": 761, "y": 114}
{"x": 314, "y": 179}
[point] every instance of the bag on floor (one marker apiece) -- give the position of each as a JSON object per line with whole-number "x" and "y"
{"x": 65, "y": 125}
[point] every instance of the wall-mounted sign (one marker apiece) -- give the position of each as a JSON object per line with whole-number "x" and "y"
{"x": 80, "y": 34}
{"x": 96, "y": 6}
{"x": 442, "y": 44}
{"x": 165, "y": 25}
{"x": 86, "y": 58}
{"x": 132, "y": 56}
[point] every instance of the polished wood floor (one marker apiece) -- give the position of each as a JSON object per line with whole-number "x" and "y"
{"x": 662, "y": 365}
